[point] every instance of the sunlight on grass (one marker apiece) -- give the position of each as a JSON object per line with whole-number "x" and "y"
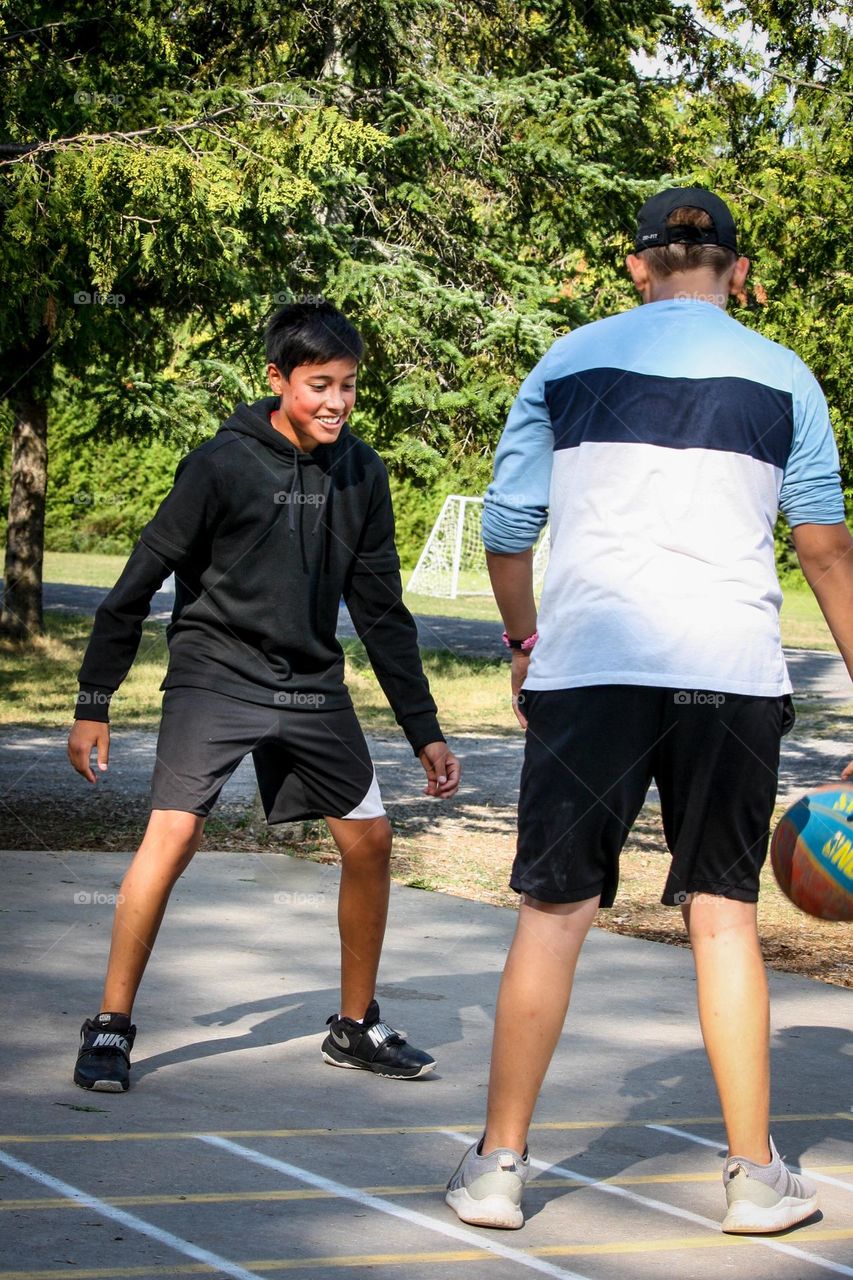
{"x": 40, "y": 683}
{"x": 803, "y": 626}
{"x": 39, "y": 677}
{"x": 83, "y": 570}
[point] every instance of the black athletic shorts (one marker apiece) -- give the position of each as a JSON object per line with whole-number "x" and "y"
{"x": 309, "y": 763}
{"x": 590, "y": 755}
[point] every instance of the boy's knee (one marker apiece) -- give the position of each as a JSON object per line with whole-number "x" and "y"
{"x": 173, "y": 832}
{"x": 710, "y": 914}
{"x": 374, "y": 844}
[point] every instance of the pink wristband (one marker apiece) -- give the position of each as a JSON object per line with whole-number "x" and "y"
{"x": 524, "y": 645}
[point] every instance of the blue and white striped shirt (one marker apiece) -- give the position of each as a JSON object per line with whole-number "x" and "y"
{"x": 662, "y": 441}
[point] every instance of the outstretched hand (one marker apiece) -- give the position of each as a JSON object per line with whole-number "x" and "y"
{"x": 84, "y": 735}
{"x": 442, "y": 769}
{"x": 848, "y": 772}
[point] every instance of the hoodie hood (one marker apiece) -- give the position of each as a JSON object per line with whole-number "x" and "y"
{"x": 254, "y": 420}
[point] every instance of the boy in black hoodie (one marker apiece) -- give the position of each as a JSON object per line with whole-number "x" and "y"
{"x": 267, "y": 526}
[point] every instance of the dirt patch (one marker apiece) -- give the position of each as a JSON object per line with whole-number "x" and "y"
{"x": 477, "y": 865}
{"x": 468, "y": 854}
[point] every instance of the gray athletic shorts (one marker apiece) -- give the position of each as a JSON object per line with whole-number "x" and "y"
{"x": 309, "y": 764}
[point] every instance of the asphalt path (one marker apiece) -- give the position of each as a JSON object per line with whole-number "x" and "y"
{"x": 239, "y": 1153}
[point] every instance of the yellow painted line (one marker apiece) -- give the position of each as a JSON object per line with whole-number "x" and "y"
{"x": 386, "y": 1130}
{"x": 667, "y": 1245}
{"x": 673, "y": 1244}
{"x": 417, "y": 1189}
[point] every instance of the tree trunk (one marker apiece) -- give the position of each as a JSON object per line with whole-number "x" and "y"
{"x": 22, "y": 599}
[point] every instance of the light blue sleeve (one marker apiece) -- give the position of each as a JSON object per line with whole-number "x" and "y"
{"x": 811, "y": 487}
{"x": 515, "y": 506}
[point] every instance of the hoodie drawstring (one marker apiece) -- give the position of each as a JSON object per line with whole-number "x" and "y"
{"x": 291, "y": 498}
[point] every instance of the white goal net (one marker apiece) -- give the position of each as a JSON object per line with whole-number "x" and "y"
{"x": 453, "y": 561}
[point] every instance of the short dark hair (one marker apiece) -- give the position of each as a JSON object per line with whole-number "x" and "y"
{"x": 310, "y": 331}
{"x": 668, "y": 259}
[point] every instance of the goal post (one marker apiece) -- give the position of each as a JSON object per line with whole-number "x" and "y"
{"x": 453, "y": 560}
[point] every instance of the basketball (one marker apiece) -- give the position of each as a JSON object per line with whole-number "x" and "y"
{"x": 812, "y": 852}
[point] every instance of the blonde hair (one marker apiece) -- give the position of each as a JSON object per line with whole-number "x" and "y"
{"x": 669, "y": 259}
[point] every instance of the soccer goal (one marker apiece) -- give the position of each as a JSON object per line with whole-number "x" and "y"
{"x": 453, "y": 561}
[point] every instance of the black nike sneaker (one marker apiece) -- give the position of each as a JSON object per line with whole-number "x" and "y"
{"x": 371, "y": 1045}
{"x": 103, "y": 1063}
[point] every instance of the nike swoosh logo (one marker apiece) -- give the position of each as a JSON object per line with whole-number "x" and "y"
{"x": 341, "y": 1041}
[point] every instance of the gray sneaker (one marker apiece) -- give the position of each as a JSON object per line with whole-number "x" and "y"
{"x": 486, "y": 1190}
{"x": 757, "y": 1205}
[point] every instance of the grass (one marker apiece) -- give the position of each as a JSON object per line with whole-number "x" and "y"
{"x": 84, "y": 570}
{"x": 39, "y": 677}
{"x": 803, "y": 626}
{"x": 40, "y": 683}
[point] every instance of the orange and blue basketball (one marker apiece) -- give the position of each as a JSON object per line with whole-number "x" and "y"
{"x": 812, "y": 853}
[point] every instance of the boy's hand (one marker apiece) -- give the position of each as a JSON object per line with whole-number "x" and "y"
{"x": 520, "y": 663}
{"x": 442, "y": 770}
{"x": 848, "y": 772}
{"x": 84, "y": 735}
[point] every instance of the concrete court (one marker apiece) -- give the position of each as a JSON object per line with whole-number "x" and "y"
{"x": 238, "y": 1153}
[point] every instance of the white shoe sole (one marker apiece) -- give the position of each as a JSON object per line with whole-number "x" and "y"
{"x": 745, "y": 1218}
{"x": 493, "y": 1211}
{"x": 386, "y": 1075}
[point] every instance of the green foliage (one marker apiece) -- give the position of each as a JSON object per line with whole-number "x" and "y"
{"x": 462, "y": 179}
{"x": 775, "y": 140}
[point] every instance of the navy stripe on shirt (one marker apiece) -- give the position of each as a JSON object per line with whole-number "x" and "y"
{"x": 615, "y": 406}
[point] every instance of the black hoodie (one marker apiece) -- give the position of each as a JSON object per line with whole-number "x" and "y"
{"x": 264, "y": 540}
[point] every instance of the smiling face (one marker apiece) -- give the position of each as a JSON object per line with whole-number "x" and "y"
{"x": 316, "y": 401}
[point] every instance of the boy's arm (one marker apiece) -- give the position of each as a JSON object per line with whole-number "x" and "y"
{"x": 117, "y": 630}
{"x": 825, "y": 552}
{"x": 374, "y": 597}
{"x": 813, "y": 503}
{"x": 184, "y": 517}
{"x": 515, "y": 509}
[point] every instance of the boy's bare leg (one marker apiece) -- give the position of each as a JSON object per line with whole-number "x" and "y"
{"x": 532, "y": 1004}
{"x": 365, "y": 846}
{"x": 734, "y": 1013}
{"x": 171, "y": 838}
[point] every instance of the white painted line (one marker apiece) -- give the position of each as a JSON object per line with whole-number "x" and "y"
{"x": 674, "y": 1211}
{"x": 485, "y": 1242}
{"x": 706, "y": 1142}
{"x": 128, "y": 1220}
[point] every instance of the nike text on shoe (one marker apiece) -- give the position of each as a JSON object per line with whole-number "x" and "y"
{"x": 486, "y": 1190}
{"x": 103, "y": 1062}
{"x": 371, "y": 1045}
{"x": 765, "y": 1198}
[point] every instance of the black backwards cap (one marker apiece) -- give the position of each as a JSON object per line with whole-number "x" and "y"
{"x": 652, "y": 231}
